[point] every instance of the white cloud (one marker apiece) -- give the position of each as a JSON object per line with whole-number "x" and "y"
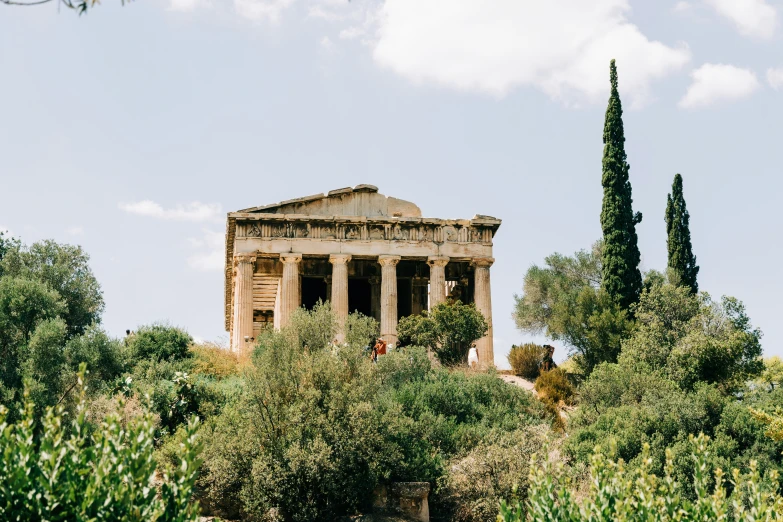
{"x": 751, "y": 17}
{"x": 775, "y": 78}
{"x": 211, "y": 255}
{"x": 75, "y": 231}
{"x": 195, "y": 211}
{"x": 187, "y": 5}
{"x": 262, "y": 10}
{"x": 561, "y": 47}
{"x": 719, "y": 82}
{"x": 326, "y": 44}
{"x": 329, "y": 10}
{"x": 681, "y": 7}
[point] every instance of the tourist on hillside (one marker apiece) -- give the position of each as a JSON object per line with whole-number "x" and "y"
{"x": 378, "y": 349}
{"x": 473, "y": 356}
{"x": 548, "y": 361}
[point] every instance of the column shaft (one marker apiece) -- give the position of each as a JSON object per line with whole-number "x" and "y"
{"x": 375, "y": 298}
{"x": 243, "y": 303}
{"x": 437, "y": 279}
{"x": 290, "y": 295}
{"x": 483, "y": 300}
{"x": 389, "y": 298}
{"x": 339, "y": 286}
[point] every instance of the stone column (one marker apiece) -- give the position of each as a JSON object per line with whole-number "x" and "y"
{"x": 290, "y": 295}
{"x": 482, "y": 297}
{"x": 389, "y": 298}
{"x": 375, "y": 298}
{"x": 243, "y": 303}
{"x": 437, "y": 279}
{"x": 340, "y": 291}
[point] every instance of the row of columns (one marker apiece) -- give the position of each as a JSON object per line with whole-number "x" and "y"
{"x": 290, "y": 292}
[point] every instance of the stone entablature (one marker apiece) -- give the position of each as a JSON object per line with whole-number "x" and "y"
{"x": 360, "y": 228}
{"x": 358, "y": 249}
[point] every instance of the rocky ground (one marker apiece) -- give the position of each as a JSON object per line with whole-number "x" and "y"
{"x": 519, "y": 381}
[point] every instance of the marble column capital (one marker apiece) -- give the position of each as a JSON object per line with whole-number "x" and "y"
{"x": 437, "y": 260}
{"x": 483, "y": 262}
{"x": 244, "y": 258}
{"x": 339, "y": 259}
{"x": 291, "y": 258}
{"x": 388, "y": 260}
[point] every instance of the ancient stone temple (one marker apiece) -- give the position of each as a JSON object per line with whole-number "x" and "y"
{"x": 359, "y": 249}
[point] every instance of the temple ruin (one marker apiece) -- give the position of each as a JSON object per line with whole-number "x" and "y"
{"x": 359, "y": 249}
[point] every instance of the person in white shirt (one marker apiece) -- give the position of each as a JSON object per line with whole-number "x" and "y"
{"x": 473, "y": 356}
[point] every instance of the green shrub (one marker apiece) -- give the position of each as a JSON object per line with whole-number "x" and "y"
{"x": 71, "y": 473}
{"x": 555, "y": 386}
{"x": 525, "y": 359}
{"x": 213, "y": 360}
{"x": 448, "y": 329}
{"x": 316, "y": 429}
{"x": 496, "y": 468}
{"x": 160, "y": 342}
{"x": 620, "y": 494}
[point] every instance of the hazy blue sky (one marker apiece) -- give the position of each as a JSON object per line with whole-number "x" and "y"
{"x": 133, "y": 130}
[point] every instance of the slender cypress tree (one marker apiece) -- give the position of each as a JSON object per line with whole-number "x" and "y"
{"x": 682, "y": 262}
{"x": 621, "y": 276}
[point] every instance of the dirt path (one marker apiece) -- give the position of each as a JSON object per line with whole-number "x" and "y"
{"x": 519, "y": 381}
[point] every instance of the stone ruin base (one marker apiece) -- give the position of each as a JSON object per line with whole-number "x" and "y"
{"x": 406, "y": 498}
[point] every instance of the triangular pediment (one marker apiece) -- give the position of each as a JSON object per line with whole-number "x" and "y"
{"x": 361, "y": 200}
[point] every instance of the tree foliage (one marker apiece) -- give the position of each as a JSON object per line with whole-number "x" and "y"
{"x": 681, "y": 261}
{"x": 71, "y": 472}
{"x": 317, "y": 428}
{"x": 691, "y": 339}
{"x": 563, "y": 300}
{"x": 159, "y": 341}
{"x": 447, "y": 329}
{"x": 624, "y": 494}
{"x": 621, "y": 279}
{"x": 64, "y": 269}
{"x": 678, "y": 374}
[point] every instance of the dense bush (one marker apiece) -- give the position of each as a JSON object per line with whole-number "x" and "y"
{"x": 525, "y": 359}
{"x": 691, "y": 339}
{"x": 159, "y": 341}
{"x": 447, "y": 329}
{"x": 555, "y": 387}
{"x": 678, "y": 374}
{"x": 495, "y": 469}
{"x": 621, "y": 494}
{"x": 213, "y": 360}
{"x": 316, "y": 429}
{"x": 70, "y": 472}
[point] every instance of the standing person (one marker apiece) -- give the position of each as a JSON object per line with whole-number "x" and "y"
{"x": 473, "y": 356}
{"x": 380, "y": 348}
{"x": 548, "y": 361}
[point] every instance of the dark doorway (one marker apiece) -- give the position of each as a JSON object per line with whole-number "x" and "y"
{"x": 404, "y": 298}
{"x": 313, "y": 289}
{"x": 359, "y": 296}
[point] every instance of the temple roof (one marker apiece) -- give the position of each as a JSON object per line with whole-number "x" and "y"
{"x": 361, "y": 200}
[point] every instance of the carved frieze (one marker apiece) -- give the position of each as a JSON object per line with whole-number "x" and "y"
{"x": 395, "y": 231}
{"x": 377, "y": 233}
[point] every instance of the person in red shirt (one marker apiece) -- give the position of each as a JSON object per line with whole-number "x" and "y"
{"x": 379, "y": 349}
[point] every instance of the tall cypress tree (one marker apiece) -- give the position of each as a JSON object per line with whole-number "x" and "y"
{"x": 621, "y": 276}
{"x": 682, "y": 262}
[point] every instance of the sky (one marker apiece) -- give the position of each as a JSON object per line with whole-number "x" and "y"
{"x": 134, "y": 129}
